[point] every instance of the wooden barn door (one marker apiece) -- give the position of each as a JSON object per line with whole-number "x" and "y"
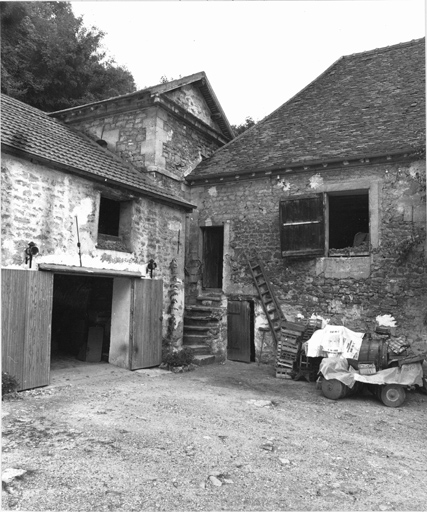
{"x": 239, "y": 330}
{"x": 26, "y": 326}
{"x": 147, "y": 311}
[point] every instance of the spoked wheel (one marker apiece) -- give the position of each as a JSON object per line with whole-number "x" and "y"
{"x": 333, "y": 389}
{"x": 393, "y": 395}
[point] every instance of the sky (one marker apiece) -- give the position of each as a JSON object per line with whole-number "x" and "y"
{"x": 256, "y": 54}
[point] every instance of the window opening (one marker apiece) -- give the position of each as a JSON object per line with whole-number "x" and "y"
{"x": 348, "y": 222}
{"x": 109, "y": 217}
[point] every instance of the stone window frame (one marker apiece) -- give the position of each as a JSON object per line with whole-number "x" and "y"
{"x": 122, "y": 242}
{"x": 338, "y": 267}
{"x": 356, "y": 185}
{"x": 373, "y": 189}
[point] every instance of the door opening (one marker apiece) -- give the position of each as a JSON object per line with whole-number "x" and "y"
{"x": 81, "y": 319}
{"x": 240, "y": 331}
{"x": 213, "y": 256}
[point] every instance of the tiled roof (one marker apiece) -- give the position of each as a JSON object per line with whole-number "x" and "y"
{"x": 27, "y": 129}
{"x": 370, "y": 103}
{"x": 200, "y": 80}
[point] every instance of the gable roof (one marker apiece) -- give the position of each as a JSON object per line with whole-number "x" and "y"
{"x": 199, "y": 80}
{"x": 30, "y": 132}
{"x": 365, "y": 104}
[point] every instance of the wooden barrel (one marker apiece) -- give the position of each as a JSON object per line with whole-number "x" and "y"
{"x": 334, "y": 389}
{"x": 373, "y": 351}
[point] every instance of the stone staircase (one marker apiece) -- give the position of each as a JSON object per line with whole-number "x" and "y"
{"x": 202, "y": 326}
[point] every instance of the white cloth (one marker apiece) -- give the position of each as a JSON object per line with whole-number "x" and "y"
{"x": 334, "y": 340}
{"x": 339, "y": 369}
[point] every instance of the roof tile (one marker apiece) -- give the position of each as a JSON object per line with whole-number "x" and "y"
{"x": 364, "y": 104}
{"x": 28, "y": 129}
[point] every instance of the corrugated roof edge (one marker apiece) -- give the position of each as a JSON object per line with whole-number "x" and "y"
{"x": 325, "y": 72}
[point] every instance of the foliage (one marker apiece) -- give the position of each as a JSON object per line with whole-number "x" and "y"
{"x": 9, "y": 384}
{"x": 51, "y": 61}
{"x": 182, "y": 357}
{"x": 238, "y": 129}
{"x": 405, "y": 246}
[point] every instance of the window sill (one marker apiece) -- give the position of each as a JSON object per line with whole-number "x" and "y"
{"x": 111, "y": 243}
{"x": 336, "y": 253}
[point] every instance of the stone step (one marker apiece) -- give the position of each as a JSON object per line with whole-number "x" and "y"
{"x": 194, "y": 339}
{"x": 202, "y": 309}
{"x": 189, "y": 328}
{"x": 209, "y": 300}
{"x": 198, "y": 350}
{"x": 199, "y": 320}
{"x": 203, "y": 360}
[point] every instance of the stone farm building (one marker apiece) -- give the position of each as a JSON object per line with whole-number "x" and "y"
{"x": 328, "y": 193}
{"x": 110, "y": 177}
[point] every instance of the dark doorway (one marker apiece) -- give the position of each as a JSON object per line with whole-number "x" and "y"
{"x": 240, "y": 331}
{"x": 81, "y": 317}
{"x": 213, "y": 250}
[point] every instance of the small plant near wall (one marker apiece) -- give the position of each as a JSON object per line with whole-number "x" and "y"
{"x": 179, "y": 360}
{"x": 9, "y": 385}
{"x": 405, "y": 247}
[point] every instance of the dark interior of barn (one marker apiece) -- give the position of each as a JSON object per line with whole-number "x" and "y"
{"x": 81, "y": 318}
{"x": 348, "y": 216}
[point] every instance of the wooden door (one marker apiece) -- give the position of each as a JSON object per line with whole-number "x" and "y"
{"x": 213, "y": 249}
{"x": 147, "y": 312}
{"x": 239, "y": 330}
{"x": 26, "y": 326}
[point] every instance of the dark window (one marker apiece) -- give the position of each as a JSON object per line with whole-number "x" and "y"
{"x": 302, "y": 226}
{"x": 349, "y": 221}
{"x": 306, "y": 232}
{"x": 109, "y": 217}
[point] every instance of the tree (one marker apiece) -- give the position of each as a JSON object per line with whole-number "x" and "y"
{"x": 240, "y": 128}
{"x": 51, "y": 61}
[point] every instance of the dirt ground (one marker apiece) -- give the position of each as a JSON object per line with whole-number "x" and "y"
{"x": 222, "y": 437}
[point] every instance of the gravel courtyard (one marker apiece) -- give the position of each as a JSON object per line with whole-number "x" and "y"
{"x": 222, "y": 437}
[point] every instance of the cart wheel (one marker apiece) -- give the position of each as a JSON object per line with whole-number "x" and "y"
{"x": 333, "y": 389}
{"x": 393, "y": 395}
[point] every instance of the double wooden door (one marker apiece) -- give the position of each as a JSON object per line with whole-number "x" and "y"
{"x": 27, "y": 298}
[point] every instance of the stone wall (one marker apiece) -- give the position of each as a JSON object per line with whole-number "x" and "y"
{"x": 40, "y": 204}
{"x": 391, "y": 280}
{"x": 191, "y": 99}
{"x": 154, "y": 140}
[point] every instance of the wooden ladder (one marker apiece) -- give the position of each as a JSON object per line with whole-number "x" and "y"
{"x": 268, "y": 299}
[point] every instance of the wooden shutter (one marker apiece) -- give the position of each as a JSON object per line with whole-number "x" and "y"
{"x": 302, "y": 226}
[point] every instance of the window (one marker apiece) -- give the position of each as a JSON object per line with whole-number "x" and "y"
{"x": 109, "y": 217}
{"x": 348, "y": 225}
{"x": 114, "y": 224}
{"x": 332, "y": 223}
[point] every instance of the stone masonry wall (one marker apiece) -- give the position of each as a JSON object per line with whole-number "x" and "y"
{"x": 40, "y": 204}
{"x": 185, "y": 148}
{"x": 396, "y": 282}
{"x": 192, "y": 100}
{"x": 156, "y": 141}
